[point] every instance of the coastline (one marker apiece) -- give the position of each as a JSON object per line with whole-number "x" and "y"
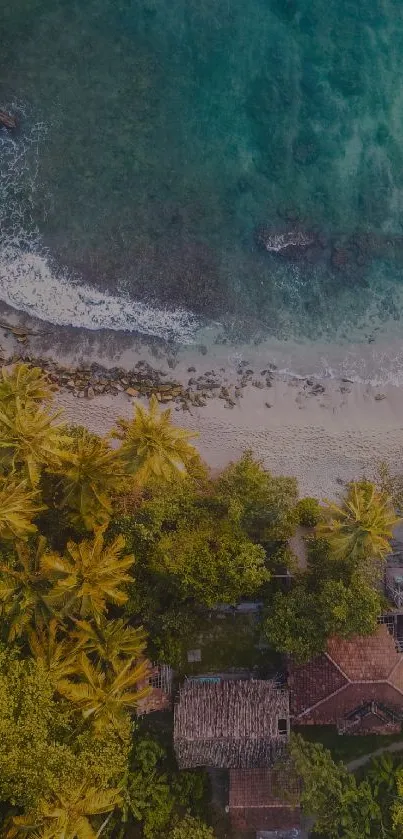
{"x": 325, "y": 431}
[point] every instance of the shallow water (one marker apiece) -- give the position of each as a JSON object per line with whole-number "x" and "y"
{"x": 157, "y": 136}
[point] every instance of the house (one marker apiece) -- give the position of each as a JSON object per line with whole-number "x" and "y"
{"x": 357, "y": 685}
{"x": 230, "y": 724}
{"x": 159, "y": 696}
{"x": 265, "y": 800}
{"x": 241, "y": 726}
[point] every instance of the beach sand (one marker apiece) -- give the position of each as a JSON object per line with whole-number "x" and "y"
{"x": 323, "y": 438}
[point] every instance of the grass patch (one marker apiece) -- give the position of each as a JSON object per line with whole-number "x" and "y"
{"x": 346, "y": 747}
{"x": 231, "y": 642}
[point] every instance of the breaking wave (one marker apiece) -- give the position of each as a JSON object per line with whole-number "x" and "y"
{"x": 28, "y": 280}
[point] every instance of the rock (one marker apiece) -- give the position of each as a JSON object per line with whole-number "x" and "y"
{"x": 257, "y": 383}
{"x": 267, "y": 405}
{"x": 131, "y": 391}
{"x": 379, "y": 396}
{"x": 70, "y": 383}
{"x": 7, "y": 120}
{"x": 90, "y": 393}
{"x": 191, "y": 369}
{"x": 281, "y": 243}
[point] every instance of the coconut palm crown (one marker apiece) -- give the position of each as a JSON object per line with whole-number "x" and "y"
{"x": 18, "y": 506}
{"x": 23, "y": 383}
{"x": 152, "y": 447}
{"x": 66, "y": 815}
{"x": 29, "y": 440}
{"x": 89, "y": 471}
{"x": 112, "y": 642}
{"x": 88, "y": 577}
{"x": 105, "y": 698}
{"x": 361, "y": 526}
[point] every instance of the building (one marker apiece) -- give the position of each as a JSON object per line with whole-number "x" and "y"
{"x": 357, "y": 685}
{"x": 159, "y": 696}
{"x": 230, "y": 724}
{"x": 242, "y": 726}
{"x": 264, "y": 800}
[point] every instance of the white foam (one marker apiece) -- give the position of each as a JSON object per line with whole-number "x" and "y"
{"x": 28, "y": 281}
{"x": 28, "y": 284}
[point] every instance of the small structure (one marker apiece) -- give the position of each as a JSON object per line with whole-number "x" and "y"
{"x": 357, "y": 685}
{"x": 265, "y": 800}
{"x": 230, "y": 724}
{"x": 159, "y": 697}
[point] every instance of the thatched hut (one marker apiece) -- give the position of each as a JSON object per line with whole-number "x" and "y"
{"x": 230, "y": 724}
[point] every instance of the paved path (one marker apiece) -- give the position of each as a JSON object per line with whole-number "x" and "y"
{"x": 361, "y": 761}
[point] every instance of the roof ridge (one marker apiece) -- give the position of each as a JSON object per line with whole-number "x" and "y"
{"x": 325, "y": 699}
{"x": 337, "y": 666}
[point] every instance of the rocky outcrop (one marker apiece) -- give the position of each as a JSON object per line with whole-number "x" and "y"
{"x": 283, "y": 243}
{"x": 7, "y": 120}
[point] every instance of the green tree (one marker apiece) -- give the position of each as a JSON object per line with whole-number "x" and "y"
{"x": 89, "y": 576}
{"x": 112, "y": 642}
{"x": 342, "y": 807}
{"x": 300, "y": 622}
{"x": 18, "y": 507}
{"x": 30, "y": 440}
{"x": 89, "y": 473}
{"x": 67, "y": 815}
{"x": 213, "y": 562}
{"x": 104, "y": 698}
{"x": 361, "y": 526}
{"x": 152, "y": 447}
{"x": 264, "y": 506}
{"x": 157, "y": 792}
{"x": 40, "y": 750}
{"x": 24, "y": 588}
{"x": 190, "y": 828}
{"x": 25, "y": 384}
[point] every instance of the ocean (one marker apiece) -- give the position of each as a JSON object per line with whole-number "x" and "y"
{"x": 162, "y": 145}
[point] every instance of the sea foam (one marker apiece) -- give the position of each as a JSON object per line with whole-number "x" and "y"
{"x": 28, "y": 280}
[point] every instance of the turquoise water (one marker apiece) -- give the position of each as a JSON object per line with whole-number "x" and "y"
{"x": 157, "y": 136}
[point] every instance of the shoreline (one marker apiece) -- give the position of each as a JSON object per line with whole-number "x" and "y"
{"x": 324, "y": 431}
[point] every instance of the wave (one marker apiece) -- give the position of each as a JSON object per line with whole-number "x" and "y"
{"x": 29, "y": 283}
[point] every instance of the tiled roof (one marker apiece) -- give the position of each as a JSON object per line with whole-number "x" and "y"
{"x": 352, "y": 672}
{"x": 370, "y": 658}
{"x": 313, "y": 682}
{"x": 264, "y": 799}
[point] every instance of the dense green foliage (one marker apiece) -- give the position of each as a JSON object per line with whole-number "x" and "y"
{"x": 112, "y": 557}
{"x": 342, "y": 806}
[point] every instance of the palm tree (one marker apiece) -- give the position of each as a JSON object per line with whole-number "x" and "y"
{"x": 58, "y": 657}
{"x": 23, "y": 383}
{"x": 23, "y": 589}
{"x": 112, "y": 642}
{"x": 18, "y": 506}
{"x": 30, "y": 439}
{"x": 66, "y": 815}
{"x": 361, "y": 527}
{"x": 104, "y": 698}
{"x": 89, "y": 576}
{"x": 89, "y": 471}
{"x": 151, "y": 445}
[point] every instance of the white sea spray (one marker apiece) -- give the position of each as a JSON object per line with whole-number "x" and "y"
{"x": 31, "y": 283}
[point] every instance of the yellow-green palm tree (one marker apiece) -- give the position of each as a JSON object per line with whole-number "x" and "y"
{"x": 58, "y": 656}
{"x": 111, "y": 641}
{"x": 152, "y": 447}
{"x": 361, "y": 526}
{"x": 105, "y": 698}
{"x": 66, "y": 815}
{"x": 18, "y": 506}
{"x": 90, "y": 471}
{"x": 23, "y": 589}
{"x": 89, "y": 576}
{"x": 30, "y": 440}
{"x": 23, "y": 383}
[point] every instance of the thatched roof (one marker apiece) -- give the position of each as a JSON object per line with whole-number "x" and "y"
{"x": 230, "y": 724}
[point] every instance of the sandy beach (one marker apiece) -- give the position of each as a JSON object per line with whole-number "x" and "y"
{"x": 323, "y": 431}
{"x": 322, "y": 440}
